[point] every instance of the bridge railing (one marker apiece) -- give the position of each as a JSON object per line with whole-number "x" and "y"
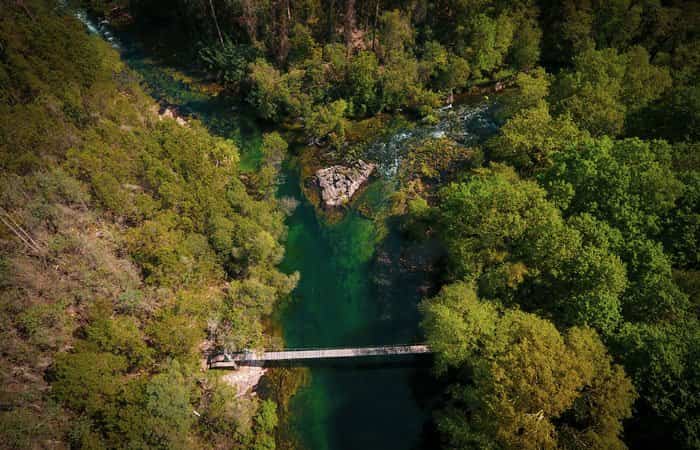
{"x": 232, "y": 360}
{"x": 252, "y": 355}
{"x": 339, "y": 347}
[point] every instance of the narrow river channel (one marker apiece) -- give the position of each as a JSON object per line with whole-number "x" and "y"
{"x": 347, "y": 297}
{"x": 360, "y": 283}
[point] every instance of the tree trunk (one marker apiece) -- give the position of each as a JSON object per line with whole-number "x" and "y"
{"x": 281, "y": 12}
{"x": 331, "y": 20}
{"x": 21, "y": 4}
{"x": 216, "y": 22}
{"x": 250, "y": 20}
{"x": 349, "y": 25}
{"x": 374, "y": 26}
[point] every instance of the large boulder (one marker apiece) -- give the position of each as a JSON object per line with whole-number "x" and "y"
{"x": 339, "y": 183}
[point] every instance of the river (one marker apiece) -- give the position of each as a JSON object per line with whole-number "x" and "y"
{"x": 346, "y": 297}
{"x": 360, "y": 281}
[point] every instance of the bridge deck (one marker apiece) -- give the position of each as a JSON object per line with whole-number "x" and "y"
{"x": 327, "y": 353}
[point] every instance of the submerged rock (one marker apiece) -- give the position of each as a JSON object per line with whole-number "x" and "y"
{"x": 339, "y": 183}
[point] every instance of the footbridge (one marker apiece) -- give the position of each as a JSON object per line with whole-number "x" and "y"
{"x": 233, "y": 360}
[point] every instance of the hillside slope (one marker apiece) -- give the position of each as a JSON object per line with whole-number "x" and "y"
{"x": 127, "y": 243}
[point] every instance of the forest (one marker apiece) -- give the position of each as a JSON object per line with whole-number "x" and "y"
{"x": 568, "y": 309}
{"x": 127, "y": 241}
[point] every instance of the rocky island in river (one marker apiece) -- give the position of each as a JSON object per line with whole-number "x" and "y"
{"x": 338, "y": 183}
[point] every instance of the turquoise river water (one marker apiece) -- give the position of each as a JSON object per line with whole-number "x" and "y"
{"x": 352, "y": 292}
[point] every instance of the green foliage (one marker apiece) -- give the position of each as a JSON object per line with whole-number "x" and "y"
{"x": 449, "y": 320}
{"x": 226, "y": 414}
{"x": 630, "y": 186}
{"x": 119, "y": 336}
{"x": 462, "y": 213}
{"x": 628, "y": 183}
{"x": 503, "y": 234}
{"x": 44, "y": 324}
{"x": 139, "y": 223}
{"x": 605, "y": 86}
{"x": 88, "y": 381}
{"x": 274, "y": 150}
{"x": 399, "y": 82}
{"x": 328, "y": 124}
{"x": 643, "y": 81}
{"x": 158, "y": 414}
{"x": 268, "y": 93}
{"x": 591, "y": 93}
{"x": 265, "y": 423}
{"x": 436, "y": 159}
{"x": 229, "y": 61}
{"x": 442, "y": 69}
{"x": 335, "y": 55}
{"x": 395, "y": 33}
{"x": 532, "y": 136}
{"x": 316, "y": 83}
{"x": 456, "y": 74}
{"x": 302, "y": 44}
{"x": 151, "y": 239}
{"x": 663, "y": 361}
{"x": 362, "y": 83}
{"x": 530, "y": 89}
{"x": 490, "y": 40}
{"x": 588, "y": 253}
{"x": 434, "y": 60}
{"x": 525, "y": 50}
{"x": 522, "y": 383}
{"x": 23, "y": 427}
{"x": 180, "y": 344}
{"x": 682, "y": 233}
{"x": 583, "y": 25}
{"x": 662, "y": 119}
{"x": 168, "y": 255}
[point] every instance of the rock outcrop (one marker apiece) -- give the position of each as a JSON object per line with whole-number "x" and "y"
{"x": 339, "y": 183}
{"x": 245, "y": 379}
{"x": 171, "y": 112}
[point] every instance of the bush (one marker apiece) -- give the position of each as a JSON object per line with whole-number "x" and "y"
{"x": 229, "y": 62}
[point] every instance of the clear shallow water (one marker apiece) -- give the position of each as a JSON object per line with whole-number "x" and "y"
{"x": 360, "y": 280}
{"x": 347, "y": 296}
{"x": 468, "y": 124}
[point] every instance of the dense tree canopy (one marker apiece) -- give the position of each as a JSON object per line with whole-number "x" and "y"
{"x": 569, "y": 312}
{"x": 529, "y": 386}
{"x": 157, "y": 248}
